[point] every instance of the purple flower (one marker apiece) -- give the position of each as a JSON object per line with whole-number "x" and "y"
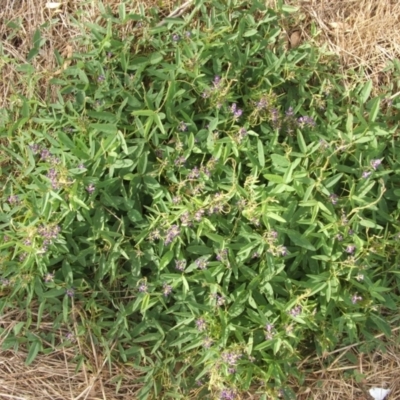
{"x": 35, "y": 148}
{"x": 45, "y": 154}
{"x": 101, "y": 78}
{"x": 167, "y": 289}
{"x": 14, "y": 199}
{"x": 52, "y": 175}
{"x": 375, "y": 163}
{"x": 172, "y": 233}
{"x": 201, "y": 324}
{"x": 334, "y": 198}
{"x": 262, "y": 104}
{"x": 355, "y": 299}
{"x": 188, "y": 34}
{"x": 180, "y": 161}
{"x": 289, "y": 112}
{"x": 49, "y": 277}
{"x": 242, "y": 133}
{"x": 222, "y": 255}
{"x": 81, "y": 166}
{"x": 339, "y": 237}
{"x": 283, "y": 250}
{"x": 175, "y": 37}
{"x": 199, "y": 215}
{"x": 207, "y": 342}
{"x": 143, "y": 287}
{"x": 220, "y": 301}
{"x": 180, "y": 265}
{"x": 70, "y": 292}
{"x": 186, "y": 219}
{"x": 201, "y": 263}
{"x": 294, "y": 312}
{"x": 350, "y": 249}
{"x": 231, "y": 358}
{"x": 306, "y": 121}
{"x": 22, "y": 256}
{"x": 256, "y": 254}
{"x": 366, "y": 174}
{"x": 194, "y": 173}
{"x": 275, "y": 118}
{"x": 227, "y": 394}
{"x": 176, "y": 199}
{"x": 91, "y": 188}
{"x": 182, "y": 127}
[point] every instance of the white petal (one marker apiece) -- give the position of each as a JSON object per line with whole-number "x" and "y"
{"x": 379, "y": 393}
{"x": 53, "y": 5}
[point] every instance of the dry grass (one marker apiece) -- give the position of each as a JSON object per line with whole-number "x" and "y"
{"x": 363, "y": 33}
{"x": 55, "y": 375}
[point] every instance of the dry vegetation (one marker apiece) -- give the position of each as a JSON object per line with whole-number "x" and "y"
{"x": 363, "y": 33}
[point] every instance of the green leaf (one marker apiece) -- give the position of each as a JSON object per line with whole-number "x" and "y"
{"x": 105, "y": 128}
{"x": 365, "y": 92}
{"x": 261, "y": 157}
{"x": 301, "y": 142}
{"x": 299, "y": 240}
{"x": 250, "y": 32}
{"x": 34, "y": 348}
{"x": 382, "y": 325}
{"x": 166, "y": 259}
{"x": 374, "y": 109}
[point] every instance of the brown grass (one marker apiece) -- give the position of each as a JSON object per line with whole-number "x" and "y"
{"x": 363, "y": 33}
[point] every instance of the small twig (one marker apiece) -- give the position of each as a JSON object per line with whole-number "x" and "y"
{"x": 177, "y": 13}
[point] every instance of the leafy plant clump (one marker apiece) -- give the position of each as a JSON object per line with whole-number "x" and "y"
{"x": 206, "y": 202}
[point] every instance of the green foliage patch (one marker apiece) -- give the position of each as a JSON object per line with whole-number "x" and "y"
{"x": 206, "y": 202}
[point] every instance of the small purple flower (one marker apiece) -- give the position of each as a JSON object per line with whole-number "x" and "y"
{"x": 334, "y": 198}
{"x": 70, "y": 292}
{"x": 91, "y": 188}
{"x": 242, "y": 133}
{"x": 284, "y": 251}
{"x": 176, "y": 199}
{"x": 227, "y": 394}
{"x": 289, "y": 112}
{"x": 27, "y": 242}
{"x": 375, "y": 163}
{"x": 350, "y": 249}
{"x": 176, "y": 38}
{"x": 294, "y": 312}
{"x": 14, "y": 199}
{"x": 101, "y": 78}
{"x": 216, "y": 82}
{"x": 188, "y": 34}
{"x": 45, "y": 154}
{"x": 81, "y": 166}
{"x": 262, "y": 104}
{"x": 366, "y": 174}
{"x": 22, "y": 256}
{"x": 207, "y": 342}
{"x": 199, "y": 215}
{"x": 35, "y": 148}
{"x": 49, "y": 277}
{"x": 275, "y": 117}
{"x": 355, "y": 299}
{"x": 180, "y": 265}
{"x": 143, "y": 288}
{"x": 194, "y": 173}
{"x": 201, "y": 263}
{"x": 339, "y": 237}
{"x": 201, "y": 324}
{"x": 306, "y": 121}
{"x": 186, "y": 219}
{"x": 220, "y": 301}
{"x": 351, "y": 232}
{"x": 241, "y": 204}
{"x": 222, "y": 255}
{"x": 179, "y": 161}
{"x": 172, "y": 233}
{"x": 167, "y": 289}
{"x": 182, "y": 127}
{"x": 256, "y": 254}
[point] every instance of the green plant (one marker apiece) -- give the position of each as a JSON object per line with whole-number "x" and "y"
{"x": 210, "y": 203}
